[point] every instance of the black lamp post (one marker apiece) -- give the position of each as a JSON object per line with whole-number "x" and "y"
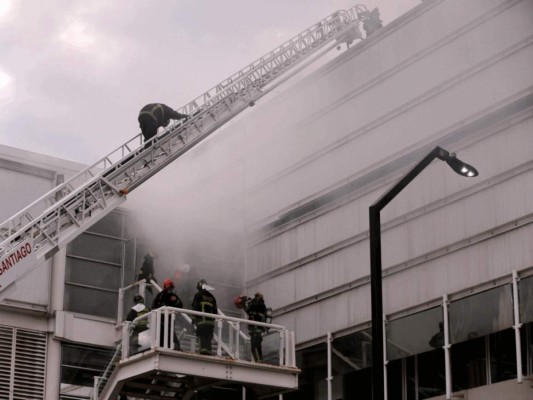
{"x": 378, "y": 376}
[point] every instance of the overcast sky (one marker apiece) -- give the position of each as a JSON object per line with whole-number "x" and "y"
{"x": 74, "y": 73}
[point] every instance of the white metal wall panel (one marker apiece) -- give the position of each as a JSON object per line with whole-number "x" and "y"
{"x": 24, "y": 176}
{"x": 332, "y": 314}
{"x": 429, "y": 232}
{"x": 408, "y": 129}
{"x": 341, "y": 267}
{"x": 352, "y": 74}
{"x": 314, "y": 235}
{"x": 20, "y": 189}
{"x": 479, "y": 263}
{"x": 31, "y": 290}
{"x": 503, "y": 151}
{"x": 399, "y": 118}
{"x": 462, "y": 220}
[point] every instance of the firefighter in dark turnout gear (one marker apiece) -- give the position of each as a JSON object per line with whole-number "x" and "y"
{"x": 204, "y": 301}
{"x": 154, "y": 115}
{"x": 147, "y": 270}
{"x": 372, "y": 23}
{"x": 257, "y": 311}
{"x": 167, "y": 297}
{"x": 137, "y": 310}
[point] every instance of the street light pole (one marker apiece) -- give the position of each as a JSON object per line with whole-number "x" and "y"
{"x": 376, "y": 294}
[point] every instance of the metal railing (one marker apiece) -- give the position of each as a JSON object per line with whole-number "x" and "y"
{"x": 278, "y": 342}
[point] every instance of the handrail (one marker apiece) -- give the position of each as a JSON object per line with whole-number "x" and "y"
{"x": 166, "y": 314}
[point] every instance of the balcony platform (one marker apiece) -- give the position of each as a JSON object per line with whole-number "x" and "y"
{"x": 161, "y": 373}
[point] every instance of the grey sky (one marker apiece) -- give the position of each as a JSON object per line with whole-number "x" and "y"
{"x": 74, "y": 73}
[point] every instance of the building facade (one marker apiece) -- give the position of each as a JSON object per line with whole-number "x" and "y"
{"x": 451, "y": 74}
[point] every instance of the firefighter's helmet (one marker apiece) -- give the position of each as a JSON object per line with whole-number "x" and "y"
{"x": 240, "y": 301}
{"x": 167, "y": 284}
{"x": 138, "y": 299}
{"x": 200, "y": 284}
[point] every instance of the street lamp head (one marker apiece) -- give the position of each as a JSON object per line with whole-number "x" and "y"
{"x": 461, "y": 167}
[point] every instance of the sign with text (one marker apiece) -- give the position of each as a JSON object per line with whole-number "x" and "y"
{"x": 18, "y": 262}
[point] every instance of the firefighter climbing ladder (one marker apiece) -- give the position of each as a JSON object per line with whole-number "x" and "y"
{"x": 40, "y": 229}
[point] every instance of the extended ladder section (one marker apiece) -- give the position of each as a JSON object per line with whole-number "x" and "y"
{"x": 40, "y": 229}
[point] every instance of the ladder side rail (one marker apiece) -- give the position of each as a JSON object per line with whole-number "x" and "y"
{"x": 240, "y": 83}
{"x": 174, "y": 146}
{"x": 186, "y": 129}
{"x": 40, "y": 205}
{"x": 8, "y": 229}
{"x": 68, "y": 212}
{"x": 330, "y": 24}
{"x": 16, "y": 229}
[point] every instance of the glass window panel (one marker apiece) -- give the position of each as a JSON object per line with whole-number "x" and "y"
{"x": 395, "y": 385}
{"x": 352, "y": 352}
{"x": 358, "y": 384}
{"x": 502, "y": 356}
{"x": 468, "y": 364}
{"x": 525, "y": 286}
{"x": 414, "y": 334}
{"x": 410, "y": 374}
{"x": 92, "y": 273}
{"x": 91, "y": 301}
{"x": 89, "y": 358}
{"x": 526, "y": 334}
{"x": 80, "y": 364}
{"x": 110, "y": 225}
{"x": 431, "y": 374}
{"x": 130, "y": 273}
{"x": 481, "y": 314}
{"x": 96, "y": 248}
{"x": 313, "y": 362}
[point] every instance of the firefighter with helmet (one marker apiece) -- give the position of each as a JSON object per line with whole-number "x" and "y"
{"x": 205, "y": 302}
{"x": 155, "y": 115}
{"x": 257, "y": 311}
{"x": 169, "y": 298}
{"x": 136, "y": 311}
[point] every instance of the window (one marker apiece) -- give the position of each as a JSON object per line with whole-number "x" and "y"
{"x": 468, "y": 364}
{"x": 420, "y": 335}
{"x": 111, "y": 225}
{"x": 94, "y": 270}
{"x": 502, "y": 356}
{"x": 415, "y": 334}
{"x": 355, "y": 350}
{"x": 79, "y": 366}
{"x": 351, "y": 360}
{"x": 313, "y": 362}
{"x": 481, "y": 314}
{"x": 525, "y": 289}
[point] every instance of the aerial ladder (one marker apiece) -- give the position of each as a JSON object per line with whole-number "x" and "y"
{"x": 39, "y": 230}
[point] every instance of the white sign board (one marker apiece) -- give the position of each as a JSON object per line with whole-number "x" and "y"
{"x": 16, "y": 263}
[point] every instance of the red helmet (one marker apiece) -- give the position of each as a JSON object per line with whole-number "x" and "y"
{"x": 168, "y": 284}
{"x": 240, "y": 301}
